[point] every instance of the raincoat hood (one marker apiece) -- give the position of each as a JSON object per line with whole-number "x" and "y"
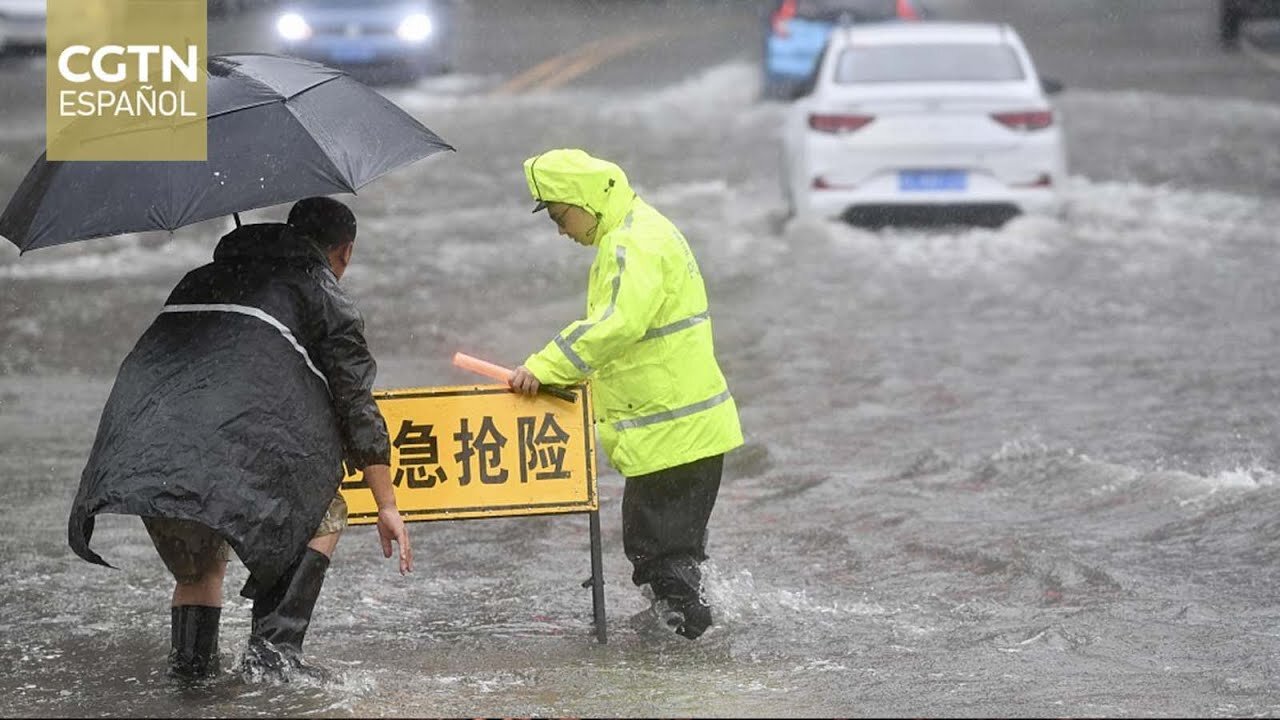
{"x": 574, "y": 177}
{"x": 267, "y": 241}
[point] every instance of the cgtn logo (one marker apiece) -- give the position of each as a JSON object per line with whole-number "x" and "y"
{"x": 125, "y": 79}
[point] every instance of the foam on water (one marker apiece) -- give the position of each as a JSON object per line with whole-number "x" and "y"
{"x": 1240, "y": 478}
{"x": 737, "y": 600}
{"x": 1199, "y": 139}
{"x": 1139, "y": 226}
{"x": 719, "y": 98}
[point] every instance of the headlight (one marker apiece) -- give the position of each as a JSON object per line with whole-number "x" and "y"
{"x": 415, "y": 28}
{"x": 293, "y": 27}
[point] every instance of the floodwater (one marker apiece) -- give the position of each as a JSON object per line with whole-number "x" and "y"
{"x": 1027, "y": 471}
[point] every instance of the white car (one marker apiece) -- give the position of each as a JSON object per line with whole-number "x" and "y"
{"x": 22, "y": 23}
{"x": 925, "y": 116}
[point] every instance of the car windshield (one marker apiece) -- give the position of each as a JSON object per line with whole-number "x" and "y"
{"x": 856, "y": 10}
{"x": 959, "y": 62}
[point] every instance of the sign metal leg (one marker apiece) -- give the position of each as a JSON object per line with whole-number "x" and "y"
{"x": 597, "y": 578}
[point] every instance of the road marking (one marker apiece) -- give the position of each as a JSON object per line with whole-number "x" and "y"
{"x": 600, "y": 56}
{"x": 1267, "y": 59}
{"x": 561, "y": 69}
{"x": 529, "y": 77}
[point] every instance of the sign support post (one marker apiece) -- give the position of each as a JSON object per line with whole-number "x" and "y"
{"x": 597, "y": 578}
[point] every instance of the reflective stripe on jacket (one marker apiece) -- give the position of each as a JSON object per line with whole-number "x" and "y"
{"x": 646, "y": 342}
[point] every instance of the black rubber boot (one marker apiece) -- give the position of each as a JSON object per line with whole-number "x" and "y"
{"x": 678, "y": 587}
{"x": 282, "y": 615}
{"x": 697, "y": 618}
{"x": 194, "y": 634}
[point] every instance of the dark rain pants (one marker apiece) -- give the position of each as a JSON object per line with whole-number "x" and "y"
{"x": 664, "y": 526}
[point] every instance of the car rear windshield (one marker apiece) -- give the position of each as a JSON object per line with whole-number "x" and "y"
{"x": 855, "y": 10}
{"x": 958, "y": 62}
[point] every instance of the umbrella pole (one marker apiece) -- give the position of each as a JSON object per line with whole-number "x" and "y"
{"x": 237, "y": 217}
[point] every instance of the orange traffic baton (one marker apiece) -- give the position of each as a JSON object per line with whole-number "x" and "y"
{"x": 501, "y": 374}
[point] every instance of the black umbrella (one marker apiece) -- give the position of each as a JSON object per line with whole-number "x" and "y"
{"x": 279, "y": 129}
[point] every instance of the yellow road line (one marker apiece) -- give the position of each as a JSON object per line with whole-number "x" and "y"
{"x": 545, "y": 68}
{"x": 559, "y": 70}
{"x": 600, "y": 56}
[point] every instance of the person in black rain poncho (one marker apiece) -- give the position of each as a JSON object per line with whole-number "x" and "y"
{"x": 227, "y": 428}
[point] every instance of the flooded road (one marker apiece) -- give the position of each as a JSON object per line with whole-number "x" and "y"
{"x": 1027, "y": 471}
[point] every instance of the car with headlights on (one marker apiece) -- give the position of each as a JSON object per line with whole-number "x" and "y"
{"x": 405, "y": 37}
{"x": 941, "y": 119}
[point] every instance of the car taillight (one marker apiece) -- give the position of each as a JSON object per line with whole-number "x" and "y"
{"x": 839, "y": 123}
{"x": 1029, "y": 120}
{"x": 782, "y": 16}
{"x": 907, "y": 11}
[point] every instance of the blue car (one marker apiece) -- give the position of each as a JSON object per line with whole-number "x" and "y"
{"x": 408, "y": 37}
{"x": 796, "y": 32}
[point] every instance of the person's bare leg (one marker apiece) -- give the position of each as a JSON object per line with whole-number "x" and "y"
{"x": 205, "y": 591}
{"x": 325, "y": 544}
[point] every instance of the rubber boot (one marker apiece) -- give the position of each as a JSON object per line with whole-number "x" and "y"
{"x": 194, "y": 636}
{"x": 684, "y": 612}
{"x": 677, "y": 588}
{"x": 697, "y": 618}
{"x": 282, "y": 615}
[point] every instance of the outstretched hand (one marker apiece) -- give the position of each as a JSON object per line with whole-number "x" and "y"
{"x": 391, "y": 529}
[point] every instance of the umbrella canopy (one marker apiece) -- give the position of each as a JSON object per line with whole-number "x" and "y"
{"x": 279, "y": 129}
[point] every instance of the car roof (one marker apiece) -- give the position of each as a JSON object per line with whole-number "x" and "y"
{"x": 925, "y": 32}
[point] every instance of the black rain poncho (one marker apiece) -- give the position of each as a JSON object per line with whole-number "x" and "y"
{"x": 237, "y": 406}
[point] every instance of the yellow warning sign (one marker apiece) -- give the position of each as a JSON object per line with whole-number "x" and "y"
{"x": 482, "y": 451}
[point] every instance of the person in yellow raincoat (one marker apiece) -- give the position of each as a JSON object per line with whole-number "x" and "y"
{"x": 664, "y": 414}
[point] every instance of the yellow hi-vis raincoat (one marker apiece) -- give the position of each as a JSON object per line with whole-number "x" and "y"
{"x": 660, "y": 398}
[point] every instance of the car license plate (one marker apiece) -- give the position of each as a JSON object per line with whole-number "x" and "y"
{"x": 351, "y": 54}
{"x": 932, "y": 180}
